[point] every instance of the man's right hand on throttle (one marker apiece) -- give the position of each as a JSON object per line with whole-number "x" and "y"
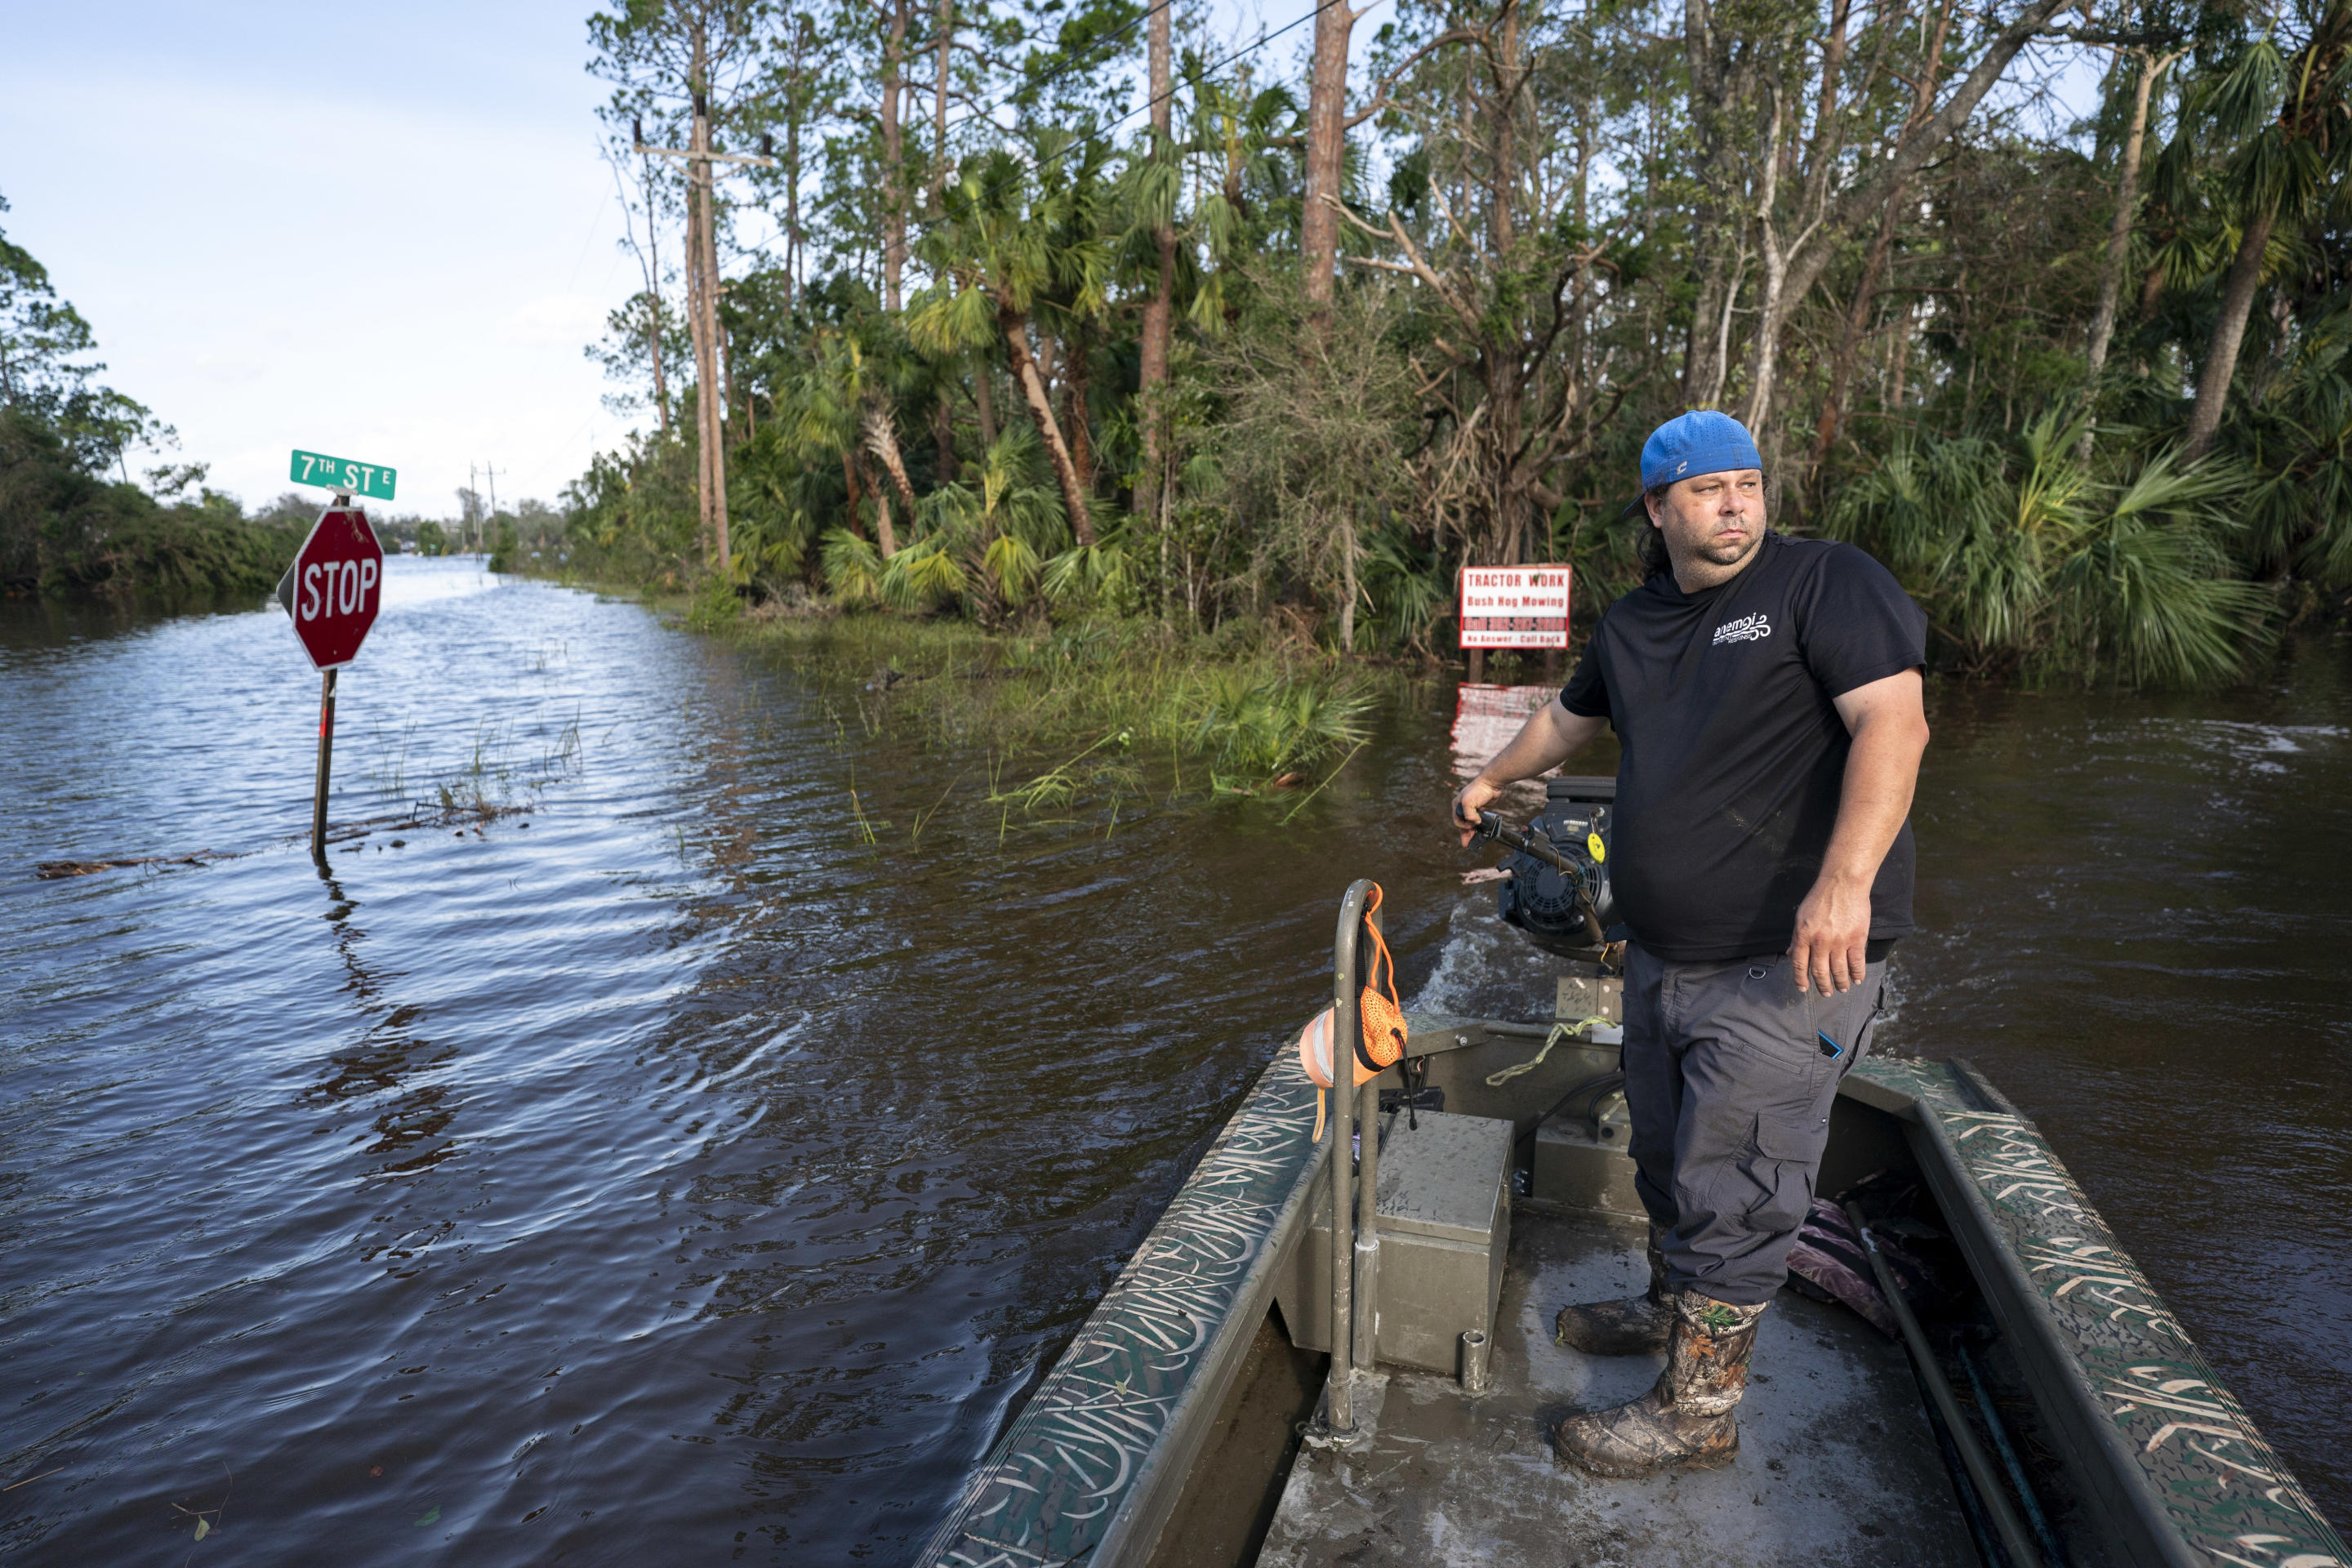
{"x": 1468, "y": 802}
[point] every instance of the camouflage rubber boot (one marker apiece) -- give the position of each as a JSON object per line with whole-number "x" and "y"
{"x": 1621, "y": 1328}
{"x": 1687, "y": 1417}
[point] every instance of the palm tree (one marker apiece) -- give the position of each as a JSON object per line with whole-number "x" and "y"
{"x": 2294, "y": 130}
{"x": 1249, "y": 136}
{"x": 822, "y": 412}
{"x": 1021, "y": 249}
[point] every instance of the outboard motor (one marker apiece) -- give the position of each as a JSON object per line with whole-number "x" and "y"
{"x": 1561, "y": 899}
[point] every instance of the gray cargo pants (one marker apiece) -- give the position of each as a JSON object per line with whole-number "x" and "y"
{"x": 1729, "y": 1085}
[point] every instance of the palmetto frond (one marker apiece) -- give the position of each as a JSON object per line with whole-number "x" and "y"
{"x": 853, "y": 569}
{"x": 922, "y": 575}
{"x": 2022, "y": 556}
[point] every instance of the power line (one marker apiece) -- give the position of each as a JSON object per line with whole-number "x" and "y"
{"x": 1051, "y": 77}
{"x": 926, "y": 226}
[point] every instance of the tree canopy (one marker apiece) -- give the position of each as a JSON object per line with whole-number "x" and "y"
{"x": 1252, "y": 336}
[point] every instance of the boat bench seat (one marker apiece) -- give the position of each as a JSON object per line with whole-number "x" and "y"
{"x": 1445, "y": 1226}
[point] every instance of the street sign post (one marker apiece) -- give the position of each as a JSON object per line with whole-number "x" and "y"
{"x": 342, "y": 474}
{"x": 332, "y": 592}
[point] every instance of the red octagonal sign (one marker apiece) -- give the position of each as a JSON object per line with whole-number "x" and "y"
{"x": 334, "y": 588}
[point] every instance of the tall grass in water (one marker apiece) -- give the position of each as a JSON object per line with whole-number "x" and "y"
{"x": 496, "y": 772}
{"x": 1093, "y": 711}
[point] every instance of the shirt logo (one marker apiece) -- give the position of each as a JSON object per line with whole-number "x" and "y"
{"x": 1746, "y": 628}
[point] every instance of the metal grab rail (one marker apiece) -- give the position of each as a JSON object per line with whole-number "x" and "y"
{"x": 1353, "y": 1316}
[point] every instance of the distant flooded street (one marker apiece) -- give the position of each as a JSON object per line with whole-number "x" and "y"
{"x": 701, "y": 1163}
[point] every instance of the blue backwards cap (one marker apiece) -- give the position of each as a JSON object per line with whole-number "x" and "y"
{"x": 1700, "y": 442}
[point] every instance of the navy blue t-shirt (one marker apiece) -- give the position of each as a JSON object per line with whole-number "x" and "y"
{"x": 1733, "y": 752}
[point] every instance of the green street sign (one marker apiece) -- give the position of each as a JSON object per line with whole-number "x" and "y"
{"x": 342, "y": 474}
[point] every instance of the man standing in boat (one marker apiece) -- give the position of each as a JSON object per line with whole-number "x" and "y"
{"x": 1765, "y": 691}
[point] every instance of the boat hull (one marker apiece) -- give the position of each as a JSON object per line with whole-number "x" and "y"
{"x": 2162, "y": 1461}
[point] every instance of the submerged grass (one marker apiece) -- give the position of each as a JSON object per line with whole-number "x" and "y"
{"x": 498, "y": 771}
{"x": 1088, "y": 715}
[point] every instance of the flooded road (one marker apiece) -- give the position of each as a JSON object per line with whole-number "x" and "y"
{"x": 672, "y": 1168}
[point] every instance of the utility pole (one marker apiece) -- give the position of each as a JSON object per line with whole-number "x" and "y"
{"x": 489, "y": 519}
{"x": 702, "y": 303}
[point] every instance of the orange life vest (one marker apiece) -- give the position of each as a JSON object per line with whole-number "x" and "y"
{"x": 1377, "y": 1009}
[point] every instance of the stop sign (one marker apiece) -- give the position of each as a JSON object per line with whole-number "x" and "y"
{"x": 334, "y": 588}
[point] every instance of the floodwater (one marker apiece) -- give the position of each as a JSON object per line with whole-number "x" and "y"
{"x": 703, "y": 1164}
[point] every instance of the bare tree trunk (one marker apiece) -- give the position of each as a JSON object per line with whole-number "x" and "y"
{"x": 1577, "y": 345}
{"x": 708, "y": 465}
{"x": 1077, "y": 413}
{"x": 1044, "y": 360}
{"x": 1504, "y": 155}
{"x": 1770, "y": 306}
{"x": 983, "y": 400}
{"x": 1710, "y": 392}
{"x": 793, "y": 165}
{"x": 1152, "y": 372}
{"x": 943, "y": 437}
{"x": 2111, "y": 276}
{"x": 2229, "y": 331}
{"x": 942, "y": 415}
{"x": 1902, "y": 356}
{"x": 1833, "y": 62}
{"x": 1015, "y": 328}
{"x": 883, "y": 532}
{"x": 2119, "y": 229}
{"x": 711, "y": 397}
{"x": 1327, "y": 150}
{"x": 940, "y": 109}
{"x": 1720, "y": 226}
{"x": 1464, "y": 136}
{"x": 1857, "y": 319}
{"x": 893, "y": 164}
{"x": 701, "y": 391}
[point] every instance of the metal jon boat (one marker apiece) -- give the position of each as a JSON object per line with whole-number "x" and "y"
{"x": 2050, "y": 1411}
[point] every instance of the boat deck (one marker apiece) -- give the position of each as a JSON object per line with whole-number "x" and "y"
{"x": 1837, "y": 1464}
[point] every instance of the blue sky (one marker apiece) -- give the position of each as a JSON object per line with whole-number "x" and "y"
{"x": 382, "y": 233}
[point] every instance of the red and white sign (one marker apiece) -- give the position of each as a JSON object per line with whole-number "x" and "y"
{"x": 335, "y": 587}
{"x": 1513, "y": 606}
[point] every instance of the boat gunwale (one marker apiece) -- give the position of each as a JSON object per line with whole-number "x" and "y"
{"x": 2017, "y": 1212}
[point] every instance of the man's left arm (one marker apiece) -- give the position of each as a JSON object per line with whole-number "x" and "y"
{"x": 1888, "y": 723}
